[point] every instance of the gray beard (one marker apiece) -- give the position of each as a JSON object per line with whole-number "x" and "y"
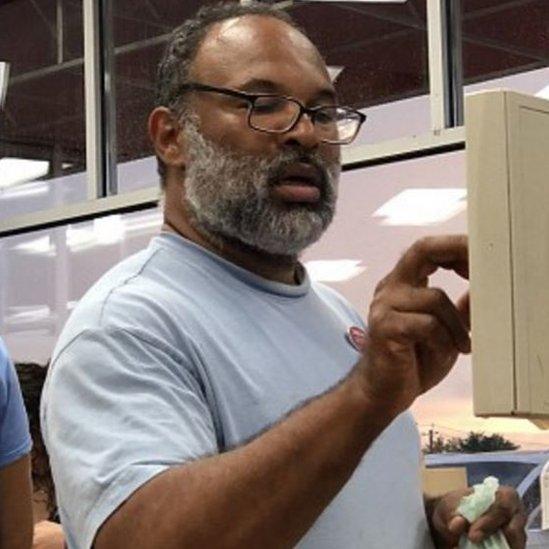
{"x": 228, "y": 197}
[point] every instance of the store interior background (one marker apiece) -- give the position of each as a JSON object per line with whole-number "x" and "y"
{"x": 382, "y": 50}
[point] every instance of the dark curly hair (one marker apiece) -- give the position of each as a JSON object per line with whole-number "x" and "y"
{"x": 184, "y": 42}
{"x": 31, "y": 378}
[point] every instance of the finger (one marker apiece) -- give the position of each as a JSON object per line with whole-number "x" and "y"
{"x": 515, "y": 532}
{"x": 501, "y": 512}
{"x": 458, "y": 525}
{"x": 447, "y": 526}
{"x": 429, "y": 254}
{"x": 488, "y": 524}
{"x": 449, "y": 532}
{"x": 463, "y": 306}
{"x": 408, "y": 328}
{"x": 435, "y": 302}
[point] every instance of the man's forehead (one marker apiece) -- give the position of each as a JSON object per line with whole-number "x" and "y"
{"x": 255, "y": 40}
{"x": 250, "y": 29}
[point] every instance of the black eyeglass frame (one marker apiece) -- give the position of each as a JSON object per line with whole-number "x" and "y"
{"x": 251, "y": 98}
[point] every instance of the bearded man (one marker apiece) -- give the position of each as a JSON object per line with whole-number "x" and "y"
{"x": 204, "y": 393}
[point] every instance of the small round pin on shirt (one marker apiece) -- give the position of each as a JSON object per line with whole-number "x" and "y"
{"x": 356, "y": 336}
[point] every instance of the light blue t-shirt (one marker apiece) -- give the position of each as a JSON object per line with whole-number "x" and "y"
{"x": 175, "y": 354}
{"x": 15, "y": 440}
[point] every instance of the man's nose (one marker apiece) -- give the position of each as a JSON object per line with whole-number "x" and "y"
{"x": 302, "y": 134}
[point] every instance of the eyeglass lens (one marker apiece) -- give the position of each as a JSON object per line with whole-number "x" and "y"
{"x": 278, "y": 114}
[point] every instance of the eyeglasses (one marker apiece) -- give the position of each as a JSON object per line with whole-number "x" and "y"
{"x": 271, "y": 113}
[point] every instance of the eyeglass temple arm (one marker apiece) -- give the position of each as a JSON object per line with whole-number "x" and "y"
{"x": 192, "y": 86}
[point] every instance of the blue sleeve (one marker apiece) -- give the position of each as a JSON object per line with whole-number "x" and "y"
{"x": 15, "y": 440}
{"x": 118, "y": 408}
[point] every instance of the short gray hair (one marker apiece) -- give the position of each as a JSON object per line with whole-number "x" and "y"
{"x": 184, "y": 42}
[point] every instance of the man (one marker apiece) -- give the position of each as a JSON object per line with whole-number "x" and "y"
{"x": 15, "y": 446}
{"x": 204, "y": 393}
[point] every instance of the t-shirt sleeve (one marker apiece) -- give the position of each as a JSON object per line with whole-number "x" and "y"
{"x": 15, "y": 440}
{"x": 119, "y": 408}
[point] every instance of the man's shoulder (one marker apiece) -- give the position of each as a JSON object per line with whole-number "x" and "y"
{"x": 107, "y": 286}
{"x": 155, "y": 274}
{"x": 147, "y": 293}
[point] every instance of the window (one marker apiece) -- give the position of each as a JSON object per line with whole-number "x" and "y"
{"x": 505, "y": 44}
{"x": 382, "y": 53}
{"x": 532, "y": 499}
{"x": 45, "y": 273}
{"x": 139, "y": 32}
{"x": 42, "y": 128}
{"x": 510, "y": 473}
{"x": 534, "y": 520}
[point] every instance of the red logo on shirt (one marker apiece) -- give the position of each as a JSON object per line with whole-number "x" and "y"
{"x": 356, "y": 337}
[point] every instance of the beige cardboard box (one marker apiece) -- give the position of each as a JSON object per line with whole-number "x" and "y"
{"x": 507, "y": 139}
{"x": 437, "y": 482}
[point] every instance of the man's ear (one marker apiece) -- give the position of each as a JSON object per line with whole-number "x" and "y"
{"x": 167, "y": 138}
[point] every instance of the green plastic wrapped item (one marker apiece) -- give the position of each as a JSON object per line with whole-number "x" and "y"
{"x": 476, "y": 504}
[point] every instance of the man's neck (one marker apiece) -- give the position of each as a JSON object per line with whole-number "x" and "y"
{"x": 277, "y": 268}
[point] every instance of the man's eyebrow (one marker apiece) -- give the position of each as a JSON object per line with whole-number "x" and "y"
{"x": 259, "y": 85}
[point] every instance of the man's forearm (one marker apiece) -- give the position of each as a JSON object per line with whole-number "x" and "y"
{"x": 266, "y": 493}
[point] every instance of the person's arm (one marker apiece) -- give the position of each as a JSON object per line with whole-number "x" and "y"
{"x": 269, "y": 492}
{"x": 48, "y": 535}
{"x": 15, "y": 505}
{"x": 264, "y": 494}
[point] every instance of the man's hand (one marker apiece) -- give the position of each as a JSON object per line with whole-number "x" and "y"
{"x": 415, "y": 332}
{"x": 506, "y": 514}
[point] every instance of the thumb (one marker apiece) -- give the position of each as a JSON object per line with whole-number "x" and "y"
{"x": 463, "y": 306}
{"x": 457, "y": 525}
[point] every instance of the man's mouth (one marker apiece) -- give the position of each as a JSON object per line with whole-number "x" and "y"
{"x": 299, "y": 182}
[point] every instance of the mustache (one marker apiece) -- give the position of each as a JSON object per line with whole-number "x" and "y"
{"x": 286, "y": 159}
